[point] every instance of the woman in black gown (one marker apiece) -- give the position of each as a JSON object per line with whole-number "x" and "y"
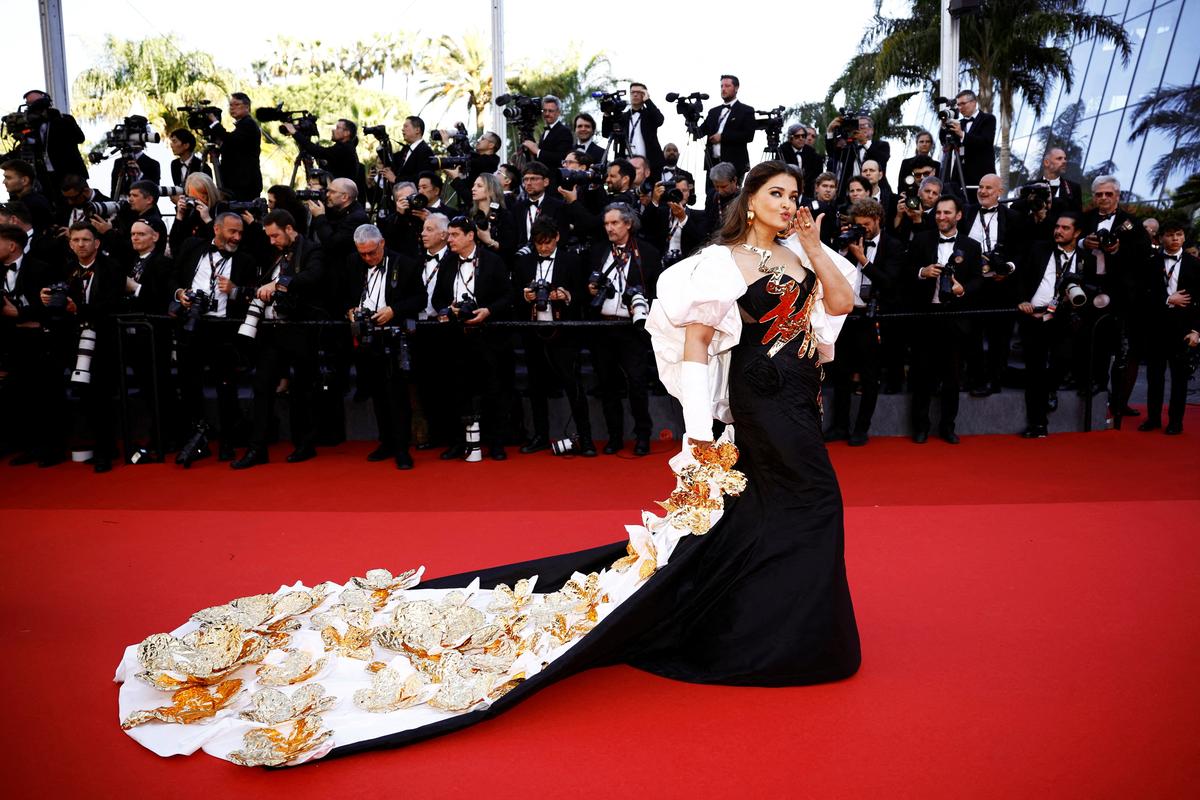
{"x": 762, "y": 597}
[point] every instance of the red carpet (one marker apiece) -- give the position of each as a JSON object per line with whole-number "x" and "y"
{"x": 1030, "y": 617}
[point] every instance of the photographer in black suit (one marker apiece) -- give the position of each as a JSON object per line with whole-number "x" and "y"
{"x": 185, "y": 162}
{"x": 339, "y": 159}
{"x": 678, "y": 231}
{"x": 1066, "y": 195}
{"x": 1049, "y": 324}
{"x": 227, "y": 275}
{"x": 855, "y": 151}
{"x": 237, "y": 165}
{"x": 555, "y": 141}
{"x": 127, "y": 172}
{"x": 58, "y": 137}
{"x": 977, "y": 131}
{"x": 20, "y": 180}
{"x": 880, "y": 261}
{"x": 472, "y": 287}
{"x": 585, "y": 137}
{"x": 534, "y": 203}
{"x": 796, "y": 150}
{"x": 293, "y": 290}
{"x": 620, "y": 182}
{"x": 728, "y": 130}
{"x": 944, "y": 268}
{"x": 415, "y": 157}
{"x": 621, "y": 284}
{"x": 642, "y": 121}
{"x": 924, "y": 148}
{"x": 724, "y": 194}
{"x": 551, "y": 282}
{"x": 1170, "y": 298}
{"x": 389, "y": 292}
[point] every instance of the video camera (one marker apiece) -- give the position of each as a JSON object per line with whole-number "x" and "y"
{"x": 947, "y": 113}
{"x": 612, "y": 107}
{"x": 126, "y": 138}
{"x": 305, "y": 122}
{"x": 570, "y": 178}
{"x": 522, "y": 112}
{"x": 1035, "y": 196}
{"x": 847, "y": 119}
{"x": 197, "y": 116}
{"x": 691, "y": 108}
{"x": 770, "y": 121}
{"x": 24, "y": 126}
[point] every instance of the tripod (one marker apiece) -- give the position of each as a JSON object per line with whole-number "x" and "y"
{"x": 771, "y": 151}
{"x": 952, "y": 168}
{"x": 613, "y": 128}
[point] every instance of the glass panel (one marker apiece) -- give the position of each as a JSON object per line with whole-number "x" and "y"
{"x": 1100, "y": 146}
{"x": 1122, "y": 74}
{"x": 1136, "y": 7}
{"x": 1080, "y": 56}
{"x": 1155, "y": 51}
{"x": 1092, "y": 84}
{"x": 1181, "y": 67}
{"x": 1156, "y": 146}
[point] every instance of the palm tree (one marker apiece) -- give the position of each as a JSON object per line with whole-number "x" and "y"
{"x": 572, "y": 78}
{"x": 152, "y": 76}
{"x": 1010, "y": 49}
{"x": 453, "y": 70}
{"x": 1175, "y": 112}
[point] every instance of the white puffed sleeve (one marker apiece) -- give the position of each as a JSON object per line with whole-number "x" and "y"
{"x": 704, "y": 290}
{"x": 825, "y": 326}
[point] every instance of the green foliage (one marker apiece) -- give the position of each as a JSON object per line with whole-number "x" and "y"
{"x": 1173, "y": 111}
{"x": 571, "y": 77}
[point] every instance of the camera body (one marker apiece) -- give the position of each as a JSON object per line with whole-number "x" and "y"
{"x": 197, "y": 116}
{"x": 483, "y": 220}
{"x": 282, "y": 299}
{"x": 996, "y": 263}
{"x": 310, "y": 194}
{"x": 60, "y": 294}
{"x": 522, "y": 112}
{"x": 847, "y": 127}
{"x": 1035, "y": 196}
{"x": 466, "y": 307}
{"x": 571, "y": 178}
{"x": 201, "y": 303}
{"x": 417, "y": 201}
{"x": 853, "y": 233}
{"x": 912, "y": 193}
{"x": 1105, "y": 238}
{"x": 257, "y": 207}
{"x": 362, "y": 326}
{"x": 946, "y": 280}
{"x": 305, "y": 122}
{"x": 690, "y": 107}
{"x": 541, "y": 293}
{"x": 604, "y": 288}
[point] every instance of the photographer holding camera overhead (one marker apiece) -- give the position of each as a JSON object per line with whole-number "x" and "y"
{"x": 621, "y": 284}
{"x": 294, "y": 290}
{"x": 237, "y": 163}
{"x": 472, "y": 287}
{"x": 339, "y": 159}
{"x": 728, "y": 130}
{"x": 56, "y": 141}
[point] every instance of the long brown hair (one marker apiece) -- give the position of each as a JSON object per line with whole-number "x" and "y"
{"x": 735, "y": 227}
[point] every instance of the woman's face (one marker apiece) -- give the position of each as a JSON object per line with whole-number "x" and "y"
{"x": 774, "y": 204}
{"x": 479, "y": 190}
{"x": 856, "y": 191}
{"x": 924, "y": 144}
{"x": 271, "y": 201}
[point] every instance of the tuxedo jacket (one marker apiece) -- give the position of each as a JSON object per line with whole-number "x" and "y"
{"x": 1172, "y": 322}
{"x": 420, "y": 159}
{"x": 1037, "y": 259}
{"x": 885, "y": 270}
{"x": 492, "y": 287}
{"x": 595, "y": 152}
{"x": 550, "y": 205}
{"x": 1068, "y": 196}
{"x": 979, "y": 153}
{"x": 807, "y": 159}
{"x": 691, "y": 235}
{"x": 1004, "y": 228}
{"x": 567, "y": 273}
{"x": 241, "y": 175}
{"x": 40, "y": 208}
{"x": 63, "y": 215}
{"x": 908, "y": 165}
{"x": 923, "y": 251}
{"x": 157, "y": 281}
{"x": 32, "y": 276}
{"x": 107, "y": 292}
{"x": 242, "y": 271}
{"x": 651, "y": 119}
{"x": 151, "y": 171}
{"x": 340, "y": 159}
{"x": 735, "y": 139}
{"x": 643, "y": 270}
{"x": 553, "y": 146}
{"x": 716, "y": 206}
{"x": 878, "y": 151}
{"x": 1126, "y": 270}
{"x": 194, "y": 164}
{"x": 403, "y": 290}
{"x": 63, "y": 137}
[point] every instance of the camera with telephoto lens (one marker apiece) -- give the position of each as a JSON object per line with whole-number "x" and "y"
{"x": 946, "y": 279}
{"x": 282, "y": 298}
{"x": 201, "y": 302}
{"x": 639, "y": 307}
{"x": 947, "y": 114}
{"x": 912, "y": 196}
{"x": 673, "y": 194}
{"x": 458, "y": 143}
{"x": 570, "y": 178}
{"x": 522, "y": 111}
{"x": 996, "y": 263}
{"x": 310, "y": 194}
{"x": 450, "y": 162}
{"x": 670, "y": 257}
{"x": 604, "y": 288}
{"x": 305, "y": 122}
{"x": 362, "y": 326}
{"x": 254, "y": 314}
{"x": 105, "y": 209}
{"x": 1035, "y": 196}
{"x": 197, "y": 116}
{"x": 852, "y": 234}
{"x": 847, "y": 127}
{"x": 1105, "y": 238}
{"x": 257, "y": 207}
{"x": 690, "y": 107}
{"x": 541, "y": 293}
{"x": 60, "y": 294}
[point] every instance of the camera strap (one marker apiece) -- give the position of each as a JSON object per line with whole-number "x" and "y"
{"x": 215, "y": 270}
{"x": 1061, "y": 268}
{"x": 549, "y": 262}
{"x": 372, "y": 279}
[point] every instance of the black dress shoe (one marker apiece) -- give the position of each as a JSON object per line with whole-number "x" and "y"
{"x": 1052, "y": 402}
{"x": 535, "y": 444}
{"x": 1129, "y": 411}
{"x": 497, "y": 453}
{"x": 22, "y": 459}
{"x": 613, "y": 446}
{"x": 45, "y": 462}
{"x": 921, "y": 437}
{"x": 253, "y": 457}
{"x": 1035, "y": 432}
{"x": 225, "y": 452}
{"x": 980, "y": 391}
{"x": 381, "y": 453}
{"x": 453, "y": 451}
{"x": 403, "y": 460}
{"x": 100, "y": 465}
{"x": 641, "y": 447}
{"x": 836, "y": 434}
{"x": 949, "y": 437}
{"x": 302, "y": 453}
{"x": 587, "y": 448}
{"x": 425, "y": 446}
{"x": 858, "y": 439}
{"x": 1173, "y": 429}
{"x": 1150, "y": 425}
{"x": 994, "y": 388}
{"x": 189, "y": 457}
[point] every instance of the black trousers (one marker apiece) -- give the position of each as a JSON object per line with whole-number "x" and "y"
{"x": 858, "y": 351}
{"x": 1047, "y": 347}
{"x": 894, "y": 335}
{"x": 33, "y": 404}
{"x": 433, "y": 371}
{"x": 147, "y": 354}
{"x": 281, "y": 349}
{"x": 937, "y": 346}
{"x": 213, "y": 349}
{"x": 388, "y": 387}
{"x": 552, "y": 359}
{"x": 990, "y": 338}
{"x": 482, "y": 370}
{"x": 1167, "y": 350}
{"x": 619, "y": 351}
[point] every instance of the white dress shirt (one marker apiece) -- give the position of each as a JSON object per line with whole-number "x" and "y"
{"x": 613, "y": 306}
{"x": 464, "y": 278}
{"x": 212, "y": 265}
{"x": 637, "y": 144}
{"x": 429, "y": 273}
{"x": 373, "y": 298}
{"x": 1171, "y": 270}
{"x": 726, "y": 112}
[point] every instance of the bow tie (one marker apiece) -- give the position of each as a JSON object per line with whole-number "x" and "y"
{"x": 965, "y": 120}
{"x": 462, "y": 260}
{"x": 727, "y": 105}
{"x": 991, "y": 210}
{"x": 1064, "y": 252}
{"x": 944, "y": 240}
{"x": 1107, "y": 216}
{"x": 868, "y": 244}
{"x": 1174, "y": 258}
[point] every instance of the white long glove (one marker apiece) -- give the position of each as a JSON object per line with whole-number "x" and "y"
{"x": 695, "y": 397}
